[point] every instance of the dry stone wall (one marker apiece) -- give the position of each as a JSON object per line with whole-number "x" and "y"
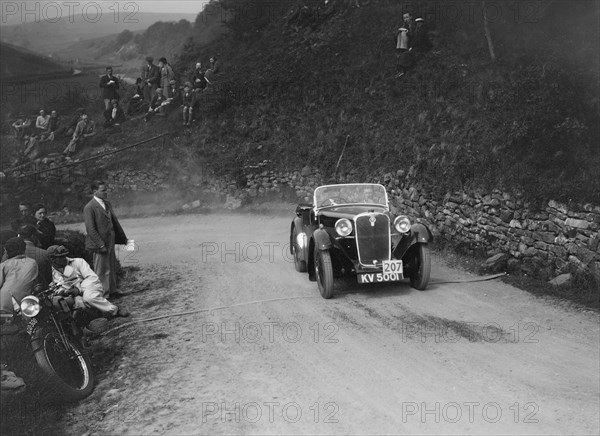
{"x": 544, "y": 242}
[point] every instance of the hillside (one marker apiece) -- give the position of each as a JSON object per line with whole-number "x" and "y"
{"x": 50, "y": 36}
{"x": 18, "y": 62}
{"x": 308, "y": 77}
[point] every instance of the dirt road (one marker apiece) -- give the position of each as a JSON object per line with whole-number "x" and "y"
{"x": 273, "y": 357}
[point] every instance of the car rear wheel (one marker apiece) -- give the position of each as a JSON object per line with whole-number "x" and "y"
{"x": 324, "y": 273}
{"x": 420, "y": 266}
{"x": 299, "y": 262}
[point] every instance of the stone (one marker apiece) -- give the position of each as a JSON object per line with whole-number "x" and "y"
{"x": 558, "y": 206}
{"x": 306, "y": 171}
{"x": 196, "y": 204}
{"x": 576, "y": 223}
{"x": 507, "y": 216}
{"x": 561, "y": 280}
{"x": 593, "y": 243}
{"x": 576, "y": 263}
{"x": 515, "y": 224}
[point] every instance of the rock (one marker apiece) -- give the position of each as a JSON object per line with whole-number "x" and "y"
{"x": 506, "y": 216}
{"x": 561, "y": 280}
{"x": 515, "y": 224}
{"x": 196, "y": 204}
{"x": 186, "y": 207}
{"x": 496, "y": 263}
{"x": 578, "y": 224}
{"x": 232, "y": 203}
{"x": 306, "y": 171}
{"x": 558, "y": 206}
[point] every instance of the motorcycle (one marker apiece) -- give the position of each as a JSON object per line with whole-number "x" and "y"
{"x": 54, "y": 327}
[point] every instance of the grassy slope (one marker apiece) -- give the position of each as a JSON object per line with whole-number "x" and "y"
{"x": 527, "y": 122}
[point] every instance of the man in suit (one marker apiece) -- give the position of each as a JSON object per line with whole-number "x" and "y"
{"x": 103, "y": 232}
{"x": 151, "y": 78}
{"x": 110, "y": 88}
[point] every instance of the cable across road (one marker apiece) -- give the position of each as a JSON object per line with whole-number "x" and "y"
{"x": 249, "y": 303}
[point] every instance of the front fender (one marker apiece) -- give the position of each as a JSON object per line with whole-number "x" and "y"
{"x": 419, "y": 234}
{"x": 322, "y": 240}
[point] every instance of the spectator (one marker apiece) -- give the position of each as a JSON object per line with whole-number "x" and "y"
{"x": 157, "y": 105}
{"x": 5, "y": 235}
{"x": 31, "y": 144}
{"x": 174, "y": 94}
{"x": 110, "y": 88}
{"x": 31, "y": 235}
{"x": 85, "y": 129}
{"x": 196, "y": 103}
{"x": 150, "y": 78}
{"x": 21, "y": 125}
{"x": 18, "y": 275}
{"x": 72, "y": 124}
{"x": 188, "y": 103}
{"x": 408, "y": 23}
{"x": 114, "y": 116}
{"x": 166, "y": 75}
{"x": 402, "y": 52}
{"x": 42, "y": 123}
{"x": 103, "y": 232}
{"x": 54, "y": 128}
{"x": 25, "y": 216}
{"x": 420, "y": 40}
{"x": 46, "y": 227}
{"x": 136, "y": 103}
{"x": 213, "y": 74}
{"x": 198, "y": 78}
{"x": 76, "y": 278}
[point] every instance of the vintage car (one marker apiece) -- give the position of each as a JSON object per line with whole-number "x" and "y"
{"x": 349, "y": 229}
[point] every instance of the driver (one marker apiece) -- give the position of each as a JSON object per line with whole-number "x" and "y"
{"x": 75, "y": 277}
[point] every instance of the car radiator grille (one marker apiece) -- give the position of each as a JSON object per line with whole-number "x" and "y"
{"x": 373, "y": 238}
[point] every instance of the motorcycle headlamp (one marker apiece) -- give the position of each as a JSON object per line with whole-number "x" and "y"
{"x": 343, "y": 227}
{"x": 30, "y": 306}
{"x": 402, "y": 224}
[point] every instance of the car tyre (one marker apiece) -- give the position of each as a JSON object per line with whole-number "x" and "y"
{"x": 299, "y": 264}
{"x": 324, "y": 272}
{"x": 421, "y": 270}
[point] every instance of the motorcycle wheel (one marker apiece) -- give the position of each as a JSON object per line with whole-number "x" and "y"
{"x": 69, "y": 370}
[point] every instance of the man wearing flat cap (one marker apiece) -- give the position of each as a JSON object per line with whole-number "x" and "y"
{"x": 150, "y": 78}
{"x": 103, "y": 232}
{"x": 75, "y": 277}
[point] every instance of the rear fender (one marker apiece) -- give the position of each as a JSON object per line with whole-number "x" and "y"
{"x": 419, "y": 234}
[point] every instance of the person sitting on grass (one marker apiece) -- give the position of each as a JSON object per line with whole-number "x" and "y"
{"x": 85, "y": 129}
{"x": 157, "y": 106}
{"x": 188, "y": 103}
{"x": 21, "y": 126}
{"x": 42, "y": 123}
{"x": 75, "y": 277}
{"x": 136, "y": 104}
{"x": 115, "y": 115}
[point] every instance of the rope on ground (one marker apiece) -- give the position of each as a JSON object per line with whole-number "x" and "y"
{"x": 479, "y": 279}
{"x": 192, "y": 312}
{"x": 248, "y": 303}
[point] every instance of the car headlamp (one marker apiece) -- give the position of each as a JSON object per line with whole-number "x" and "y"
{"x": 343, "y": 227}
{"x": 301, "y": 240}
{"x": 30, "y": 306}
{"x": 402, "y": 224}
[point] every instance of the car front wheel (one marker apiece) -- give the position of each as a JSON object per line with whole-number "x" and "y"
{"x": 324, "y": 273}
{"x": 420, "y": 267}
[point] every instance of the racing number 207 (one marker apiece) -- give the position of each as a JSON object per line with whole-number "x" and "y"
{"x": 392, "y": 266}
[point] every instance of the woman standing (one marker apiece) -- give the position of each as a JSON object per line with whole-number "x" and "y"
{"x": 46, "y": 227}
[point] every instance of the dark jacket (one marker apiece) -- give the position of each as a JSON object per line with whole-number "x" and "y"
{"x": 198, "y": 80}
{"x": 48, "y": 232}
{"x": 151, "y": 73}
{"x": 43, "y": 262}
{"x": 97, "y": 226}
{"x": 109, "y": 92}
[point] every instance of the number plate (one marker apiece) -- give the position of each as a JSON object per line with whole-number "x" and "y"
{"x": 379, "y": 277}
{"x": 392, "y": 266}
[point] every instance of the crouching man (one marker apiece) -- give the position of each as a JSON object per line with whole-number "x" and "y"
{"x": 76, "y": 278}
